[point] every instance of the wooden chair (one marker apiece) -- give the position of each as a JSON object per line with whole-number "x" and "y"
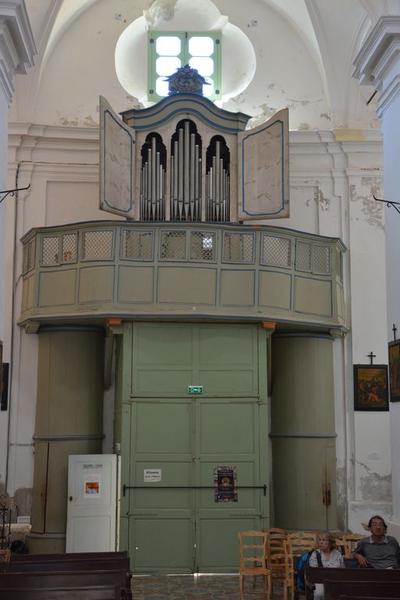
{"x": 280, "y": 561}
{"x": 350, "y": 541}
{"x": 254, "y": 559}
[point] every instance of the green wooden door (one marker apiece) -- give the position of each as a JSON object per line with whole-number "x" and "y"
{"x": 178, "y": 440}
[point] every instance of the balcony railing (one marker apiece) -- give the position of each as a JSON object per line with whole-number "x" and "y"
{"x": 137, "y": 270}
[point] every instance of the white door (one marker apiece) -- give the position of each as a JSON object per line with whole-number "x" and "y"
{"x": 92, "y": 503}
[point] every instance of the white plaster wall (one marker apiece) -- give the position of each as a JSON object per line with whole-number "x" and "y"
{"x": 287, "y": 72}
{"x": 390, "y": 127}
{"x": 3, "y": 185}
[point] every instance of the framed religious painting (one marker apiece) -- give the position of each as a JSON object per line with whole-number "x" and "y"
{"x": 371, "y": 387}
{"x": 394, "y": 370}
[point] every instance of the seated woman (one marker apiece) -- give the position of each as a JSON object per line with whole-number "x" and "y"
{"x": 326, "y": 555}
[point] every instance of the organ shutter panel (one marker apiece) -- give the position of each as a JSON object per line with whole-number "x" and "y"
{"x": 117, "y": 163}
{"x": 263, "y": 170}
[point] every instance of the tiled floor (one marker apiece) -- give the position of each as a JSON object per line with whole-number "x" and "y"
{"x": 204, "y": 587}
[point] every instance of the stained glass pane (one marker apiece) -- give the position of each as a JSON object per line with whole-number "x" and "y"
{"x": 166, "y": 65}
{"x": 204, "y": 65}
{"x": 168, "y": 45}
{"x": 201, "y": 46}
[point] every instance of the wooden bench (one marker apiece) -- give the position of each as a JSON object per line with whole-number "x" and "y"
{"x": 69, "y": 556}
{"x": 99, "y": 564}
{"x": 367, "y": 576}
{"x": 335, "y": 590}
{"x": 113, "y": 580}
{"x": 85, "y": 593}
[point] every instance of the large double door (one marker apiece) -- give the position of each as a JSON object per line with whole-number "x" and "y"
{"x": 197, "y": 461}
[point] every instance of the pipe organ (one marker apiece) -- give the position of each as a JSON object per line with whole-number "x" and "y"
{"x": 187, "y": 160}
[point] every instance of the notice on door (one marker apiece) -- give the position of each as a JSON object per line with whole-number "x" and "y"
{"x": 225, "y": 482}
{"x": 152, "y": 475}
{"x": 91, "y": 486}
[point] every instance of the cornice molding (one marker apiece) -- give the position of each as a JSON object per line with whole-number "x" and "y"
{"x": 378, "y": 62}
{"x": 17, "y": 46}
{"x": 386, "y": 29}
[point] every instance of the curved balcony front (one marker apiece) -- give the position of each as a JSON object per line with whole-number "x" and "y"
{"x": 135, "y": 270}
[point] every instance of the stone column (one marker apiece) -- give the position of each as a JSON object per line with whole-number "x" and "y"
{"x": 378, "y": 64}
{"x": 303, "y": 432}
{"x": 69, "y": 420}
{"x": 17, "y": 49}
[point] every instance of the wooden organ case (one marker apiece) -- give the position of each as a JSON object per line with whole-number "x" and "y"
{"x": 186, "y": 160}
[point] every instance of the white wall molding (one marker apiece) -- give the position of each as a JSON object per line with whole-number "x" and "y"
{"x": 17, "y": 46}
{"x": 378, "y": 62}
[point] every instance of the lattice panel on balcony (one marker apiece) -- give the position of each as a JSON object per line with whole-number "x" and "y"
{"x": 137, "y": 245}
{"x": 50, "y": 250}
{"x": 69, "y": 247}
{"x": 173, "y": 245}
{"x": 238, "y": 247}
{"x": 321, "y": 260}
{"x": 276, "y": 251}
{"x": 202, "y": 246}
{"x": 97, "y": 245}
{"x": 303, "y": 257}
{"x": 29, "y": 257}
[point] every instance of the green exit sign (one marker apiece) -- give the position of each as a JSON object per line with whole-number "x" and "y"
{"x": 195, "y": 389}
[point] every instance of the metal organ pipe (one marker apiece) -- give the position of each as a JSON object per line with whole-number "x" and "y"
{"x": 152, "y": 179}
{"x": 218, "y": 181}
{"x": 186, "y": 173}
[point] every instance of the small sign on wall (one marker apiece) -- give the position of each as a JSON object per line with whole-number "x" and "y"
{"x": 225, "y": 482}
{"x": 152, "y": 475}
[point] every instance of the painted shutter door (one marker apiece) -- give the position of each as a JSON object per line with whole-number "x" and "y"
{"x": 263, "y": 170}
{"x": 117, "y": 163}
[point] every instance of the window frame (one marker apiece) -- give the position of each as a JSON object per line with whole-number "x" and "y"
{"x": 184, "y": 56}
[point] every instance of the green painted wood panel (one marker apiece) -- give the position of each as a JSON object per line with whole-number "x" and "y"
{"x": 183, "y": 438}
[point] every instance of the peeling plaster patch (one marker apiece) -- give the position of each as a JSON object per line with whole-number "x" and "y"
{"x": 303, "y": 127}
{"x": 371, "y": 209}
{"x": 375, "y": 487}
{"x": 68, "y": 122}
{"x": 323, "y": 202}
{"x": 341, "y": 497}
{"x": 23, "y": 500}
{"x": 160, "y": 10}
{"x": 293, "y": 101}
{"x": 325, "y": 116}
{"x": 90, "y": 122}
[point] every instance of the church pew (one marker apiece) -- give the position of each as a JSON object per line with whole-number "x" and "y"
{"x": 82, "y": 593}
{"x": 334, "y": 590}
{"x": 69, "y": 556}
{"x": 319, "y": 575}
{"x": 99, "y": 564}
{"x": 66, "y": 580}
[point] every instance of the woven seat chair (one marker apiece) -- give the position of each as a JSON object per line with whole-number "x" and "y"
{"x": 254, "y": 559}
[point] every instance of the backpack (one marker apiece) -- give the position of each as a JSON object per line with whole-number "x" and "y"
{"x": 302, "y": 563}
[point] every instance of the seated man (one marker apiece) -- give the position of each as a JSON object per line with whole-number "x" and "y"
{"x": 379, "y": 550}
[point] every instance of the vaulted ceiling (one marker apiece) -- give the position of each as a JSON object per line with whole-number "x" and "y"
{"x": 304, "y": 49}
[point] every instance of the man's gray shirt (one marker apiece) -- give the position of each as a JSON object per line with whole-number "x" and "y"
{"x": 380, "y": 555}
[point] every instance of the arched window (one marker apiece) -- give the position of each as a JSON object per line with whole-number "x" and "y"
{"x": 168, "y": 51}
